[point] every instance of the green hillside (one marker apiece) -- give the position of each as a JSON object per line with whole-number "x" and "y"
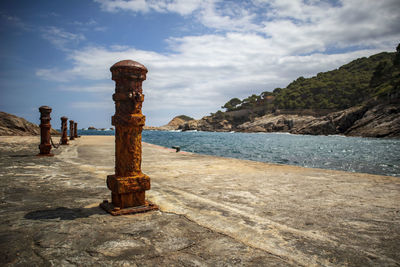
{"x": 350, "y": 85}
{"x": 184, "y": 117}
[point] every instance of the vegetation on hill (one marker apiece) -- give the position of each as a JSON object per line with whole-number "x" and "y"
{"x": 385, "y": 81}
{"x": 184, "y": 117}
{"x": 350, "y": 85}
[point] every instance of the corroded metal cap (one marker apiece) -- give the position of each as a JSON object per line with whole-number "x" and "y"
{"x": 128, "y": 64}
{"x": 128, "y": 69}
{"x": 63, "y": 118}
{"x": 45, "y": 109}
{"x": 45, "y": 112}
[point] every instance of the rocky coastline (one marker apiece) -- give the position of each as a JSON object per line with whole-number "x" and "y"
{"x": 371, "y": 119}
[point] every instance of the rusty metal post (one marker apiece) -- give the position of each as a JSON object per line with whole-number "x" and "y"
{"x": 64, "y": 127}
{"x": 45, "y": 127}
{"x": 129, "y": 184}
{"x": 71, "y": 130}
{"x": 75, "y": 130}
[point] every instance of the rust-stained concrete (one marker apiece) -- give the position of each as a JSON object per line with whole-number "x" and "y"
{"x": 214, "y": 211}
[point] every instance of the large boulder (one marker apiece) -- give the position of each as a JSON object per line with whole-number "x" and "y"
{"x": 379, "y": 121}
{"x": 189, "y": 125}
{"x": 273, "y": 123}
{"x": 368, "y": 120}
{"x": 333, "y": 123}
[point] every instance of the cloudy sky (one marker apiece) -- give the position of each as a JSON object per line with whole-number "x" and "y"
{"x": 199, "y": 53}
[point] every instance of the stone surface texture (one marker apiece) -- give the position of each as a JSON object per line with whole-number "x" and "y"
{"x": 213, "y": 211}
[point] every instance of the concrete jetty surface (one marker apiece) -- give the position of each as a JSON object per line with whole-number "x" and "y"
{"x": 214, "y": 211}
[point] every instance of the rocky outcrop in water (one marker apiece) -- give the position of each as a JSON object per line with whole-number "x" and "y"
{"x": 13, "y": 125}
{"x": 208, "y": 124}
{"x": 174, "y": 124}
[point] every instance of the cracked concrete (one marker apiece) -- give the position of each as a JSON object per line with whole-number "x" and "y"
{"x": 214, "y": 211}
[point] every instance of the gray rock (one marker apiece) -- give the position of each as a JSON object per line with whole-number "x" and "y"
{"x": 379, "y": 121}
{"x": 368, "y": 120}
{"x": 272, "y": 123}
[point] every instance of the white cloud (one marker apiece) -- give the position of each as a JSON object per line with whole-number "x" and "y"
{"x": 60, "y": 38}
{"x": 132, "y": 5}
{"x": 182, "y": 7}
{"x": 100, "y": 29}
{"x": 90, "y": 22}
{"x": 318, "y": 26}
{"x": 229, "y": 16}
{"x": 53, "y": 74}
{"x": 89, "y": 25}
{"x": 92, "y": 105}
{"x": 96, "y": 88}
{"x": 15, "y": 21}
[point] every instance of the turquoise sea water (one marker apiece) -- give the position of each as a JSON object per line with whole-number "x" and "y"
{"x": 355, "y": 154}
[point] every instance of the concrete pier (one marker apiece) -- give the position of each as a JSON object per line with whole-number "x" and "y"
{"x": 213, "y": 211}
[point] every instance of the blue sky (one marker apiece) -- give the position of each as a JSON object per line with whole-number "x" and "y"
{"x": 199, "y": 54}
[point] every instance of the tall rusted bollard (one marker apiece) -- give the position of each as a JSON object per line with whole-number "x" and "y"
{"x": 71, "y": 130}
{"x": 129, "y": 184}
{"x": 64, "y": 128}
{"x": 45, "y": 127}
{"x": 75, "y": 130}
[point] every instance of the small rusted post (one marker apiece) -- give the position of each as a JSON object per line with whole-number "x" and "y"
{"x": 45, "y": 127}
{"x": 129, "y": 184}
{"x": 71, "y": 130}
{"x": 75, "y": 130}
{"x": 64, "y": 127}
